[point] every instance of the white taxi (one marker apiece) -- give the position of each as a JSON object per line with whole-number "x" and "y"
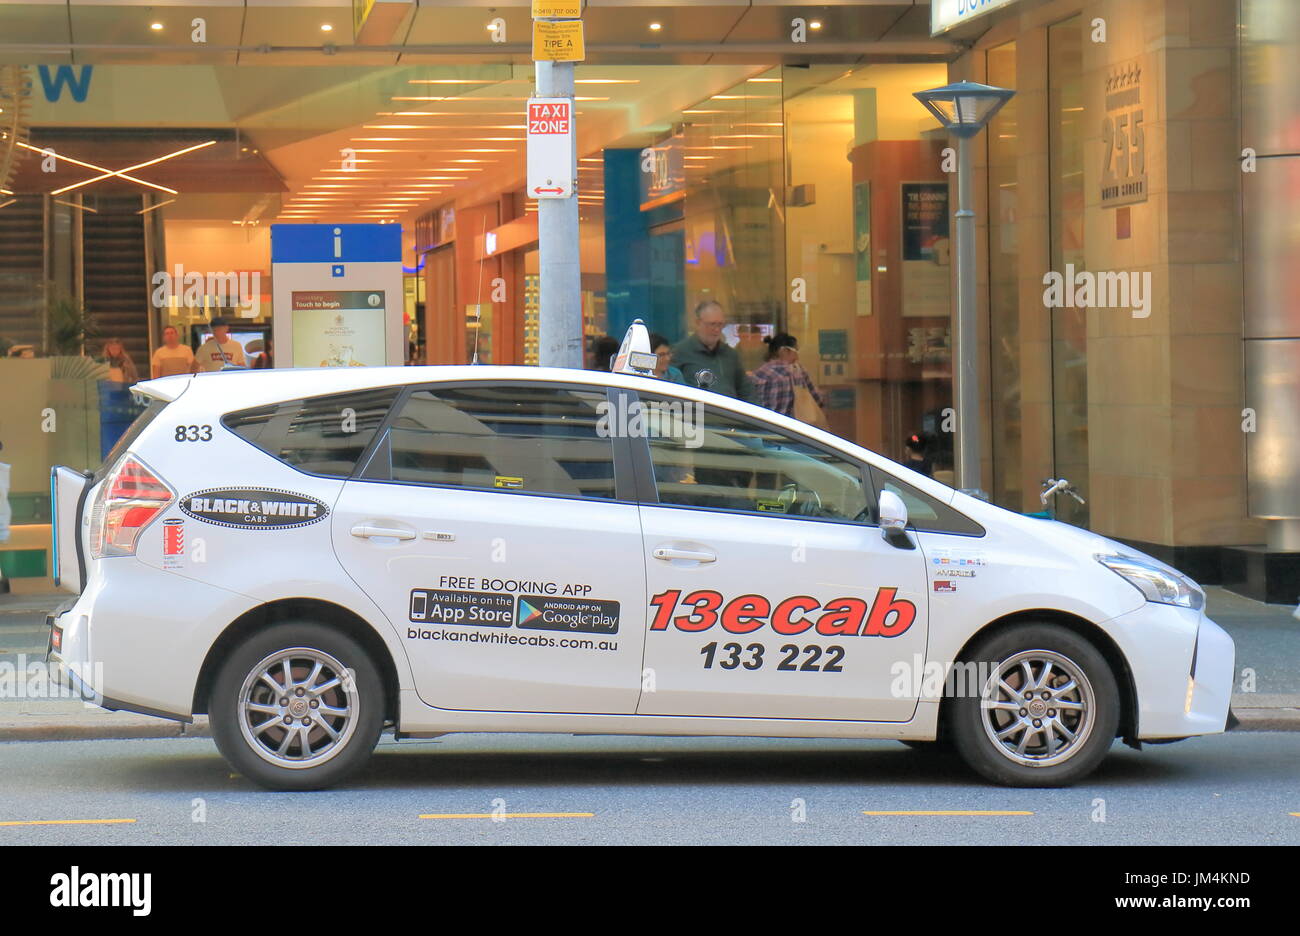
{"x": 311, "y": 557}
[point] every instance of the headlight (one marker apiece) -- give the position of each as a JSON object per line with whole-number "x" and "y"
{"x": 1158, "y": 583}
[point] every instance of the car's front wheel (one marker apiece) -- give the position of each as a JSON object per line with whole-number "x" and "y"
{"x": 1043, "y": 712}
{"x": 299, "y": 706}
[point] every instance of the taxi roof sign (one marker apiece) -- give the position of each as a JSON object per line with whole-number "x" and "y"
{"x": 635, "y": 356}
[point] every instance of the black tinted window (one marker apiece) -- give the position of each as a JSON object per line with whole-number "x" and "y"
{"x": 706, "y": 458}
{"x": 323, "y": 435}
{"x": 541, "y": 440}
{"x": 923, "y": 511}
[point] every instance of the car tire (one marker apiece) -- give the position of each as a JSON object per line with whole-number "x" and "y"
{"x": 1045, "y": 711}
{"x": 330, "y": 691}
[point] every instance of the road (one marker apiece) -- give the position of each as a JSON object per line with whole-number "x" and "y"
{"x": 1232, "y": 789}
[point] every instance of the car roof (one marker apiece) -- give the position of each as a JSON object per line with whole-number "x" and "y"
{"x": 230, "y": 390}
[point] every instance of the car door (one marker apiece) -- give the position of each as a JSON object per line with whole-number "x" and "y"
{"x": 492, "y": 528}
{"x": 771, "y": 592}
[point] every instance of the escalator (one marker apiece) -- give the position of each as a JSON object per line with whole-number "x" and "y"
{"x": 22, "y": 270}
{"x": 114, "y": 274}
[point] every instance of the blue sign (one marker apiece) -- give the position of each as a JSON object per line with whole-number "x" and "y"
{"x": 336, "y": 243}
{"x": 52, "y": 84}
{"x": 336, "y": 270}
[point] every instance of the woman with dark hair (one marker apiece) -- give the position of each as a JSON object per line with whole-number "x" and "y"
{"x": 663, "y": 351}
{"x": 120, "y": 366}
{"x": 781, "y": 380}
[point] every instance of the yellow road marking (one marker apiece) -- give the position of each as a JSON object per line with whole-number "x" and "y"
{"x": 946, "y": 812}
{"x": 65, "y": 822}
{"x": 513, "y": 815}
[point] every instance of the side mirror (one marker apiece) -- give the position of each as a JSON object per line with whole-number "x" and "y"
{"x": 893, "y": 519}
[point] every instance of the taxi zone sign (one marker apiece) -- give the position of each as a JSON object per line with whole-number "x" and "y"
{"x": 550, "y": 148}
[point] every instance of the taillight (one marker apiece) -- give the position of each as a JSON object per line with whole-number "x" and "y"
{"x": 130, "y": 498}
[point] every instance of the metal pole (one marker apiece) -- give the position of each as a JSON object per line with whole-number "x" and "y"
{"x": 965, "y": 377}
{"x": 559, "y": 327}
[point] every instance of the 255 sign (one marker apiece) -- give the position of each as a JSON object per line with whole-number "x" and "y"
{"x": 1123, "y": 167}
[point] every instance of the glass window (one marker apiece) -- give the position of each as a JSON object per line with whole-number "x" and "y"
{"x": 534, "y": 440}
{"x": 1005, "y": 147}
{"x": 147, "y": 415}
{"x": 323, "y": 435}
{"x": 867, "y": 231}
{"x": 1069, "y": 129}
{"x": 923, "y": 511}
{"x": 706, "y": 458}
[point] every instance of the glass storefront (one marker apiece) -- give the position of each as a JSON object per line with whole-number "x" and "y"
{"x": 811, "y": 199}
{"x": 1066, "y": 133}
{"x": 1005, "y": 338}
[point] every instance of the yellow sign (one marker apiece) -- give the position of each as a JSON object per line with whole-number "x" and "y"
{"x": 360, "y": 10}
{"x": 557, "y": 9}
{"x": 558, "y": 42}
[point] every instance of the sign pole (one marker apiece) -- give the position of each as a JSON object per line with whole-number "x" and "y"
{"x": 559, "y": 332}
{"x": 553, "y": 179}
{"x": 964, "y": 351}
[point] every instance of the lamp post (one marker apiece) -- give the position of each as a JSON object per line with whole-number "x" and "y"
{"x": 964, "y": 108}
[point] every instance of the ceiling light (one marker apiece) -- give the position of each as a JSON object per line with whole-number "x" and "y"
{"x": 655, "y": 27}
{"x": 156, "y": 27}
{"x": 815, "y": 24}
{"x": 326, "y": 27}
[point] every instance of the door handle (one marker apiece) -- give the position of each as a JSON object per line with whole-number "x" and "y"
{"x": 668, "y": 553}
{"x": 365, "y": 531}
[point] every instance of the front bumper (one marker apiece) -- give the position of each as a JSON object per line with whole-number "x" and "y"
{"x": 1183, "y": 668}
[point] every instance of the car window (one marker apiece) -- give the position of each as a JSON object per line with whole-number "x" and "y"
{"x": 923, "y": 511}
{"x": 704, "y": 457}
{"x": 323, "y": 435}
{"x": 147, "y": 415}
{"x": 529, "y": 439}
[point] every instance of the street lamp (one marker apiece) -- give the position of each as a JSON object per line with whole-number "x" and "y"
{"x": 964, "y": 108}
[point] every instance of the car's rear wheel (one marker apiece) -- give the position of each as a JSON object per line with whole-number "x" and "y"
{"x": 1047, "y": 709}
{"x": 299, "y": 706}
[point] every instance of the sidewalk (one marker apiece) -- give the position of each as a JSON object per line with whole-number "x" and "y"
{"x": 1267, "y": 638}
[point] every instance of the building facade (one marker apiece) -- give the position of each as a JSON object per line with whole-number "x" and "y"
{"x": 1133, "y": 210}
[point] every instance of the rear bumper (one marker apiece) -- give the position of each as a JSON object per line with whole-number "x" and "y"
{"x": 136, "y": 639}
{"x": 69, "y": 678}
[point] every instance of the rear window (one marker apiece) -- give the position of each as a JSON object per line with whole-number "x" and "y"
{"x": 147, "y": 415}
{"x": 324, "y": 435}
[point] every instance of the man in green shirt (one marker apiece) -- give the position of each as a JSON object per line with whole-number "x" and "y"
{"x": 709, "y": 362}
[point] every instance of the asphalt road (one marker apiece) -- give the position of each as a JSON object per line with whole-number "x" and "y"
{"x": 1232, "y": 789}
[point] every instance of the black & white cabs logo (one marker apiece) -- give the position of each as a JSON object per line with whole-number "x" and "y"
{"x": 253, "y": 508}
